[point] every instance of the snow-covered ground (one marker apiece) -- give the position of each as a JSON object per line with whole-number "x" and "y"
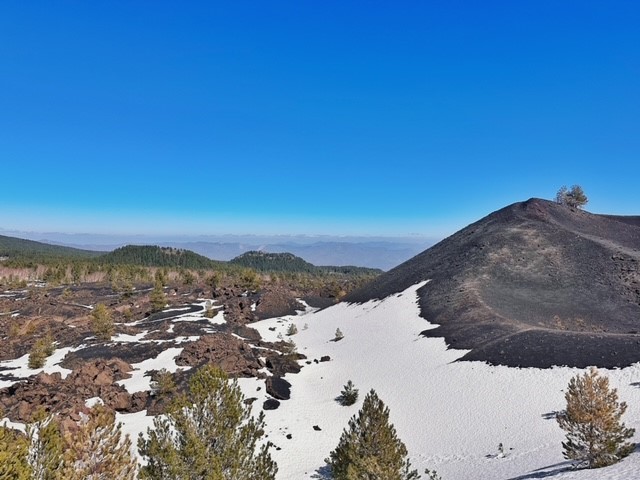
{"x": 19, "y": 368}
{"x": 451, "y": 415}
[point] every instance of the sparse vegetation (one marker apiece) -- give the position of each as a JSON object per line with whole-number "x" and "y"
{"x": 249, "y": 279}
{"x": 349, "y": 394}
{"x": 290, "y": 347}
{"x": 596, "y": 437}
{"x": 370, "y": 447}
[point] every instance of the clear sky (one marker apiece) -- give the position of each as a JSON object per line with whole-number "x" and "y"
{"x": 317, "y": 117}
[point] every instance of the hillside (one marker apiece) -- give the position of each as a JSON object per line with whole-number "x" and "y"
{"x": 533, "y": 284}
{"x": 154, "y": 256}
{"x": 272, "y": 262}
{"x": 18, "y": 247}
{"x": 287, "y": 262}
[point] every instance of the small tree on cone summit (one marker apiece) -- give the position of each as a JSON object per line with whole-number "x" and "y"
{"x": 573, "y": 197}
{"x": 595, "y": 436}
{"x": 370, "y": 448}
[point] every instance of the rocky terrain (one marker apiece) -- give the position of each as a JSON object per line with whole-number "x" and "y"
{"x": 533, "y": 284}
{"x": 199, "y": 325}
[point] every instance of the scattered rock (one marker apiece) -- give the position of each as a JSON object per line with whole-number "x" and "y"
{"x": 278, "y": 388}
{"x": 270, "y": 404}
{"x": 316, "y": 428}
{"x": 224, "y": 350}
{"x": 50, "y": 391}
{"x": 282, "y": 364}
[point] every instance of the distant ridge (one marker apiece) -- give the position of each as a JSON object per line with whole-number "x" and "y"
{"x": 14, "y": 247}
{"x": 534, "y": 284}
{"x": 287, "y": 262}
{"x": 157, "y": 256}
{"x": 154, "y": 256}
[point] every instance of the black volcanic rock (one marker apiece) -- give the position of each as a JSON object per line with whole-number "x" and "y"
{"x": 534, "y": 284}
{"x": 278, "y": 388}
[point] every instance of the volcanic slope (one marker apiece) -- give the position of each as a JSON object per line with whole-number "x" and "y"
{"x": 534, "y": 284}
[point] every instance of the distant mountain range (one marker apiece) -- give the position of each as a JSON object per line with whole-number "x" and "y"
{"x": 170, "y": 257}
{"x": 374, "y": 252}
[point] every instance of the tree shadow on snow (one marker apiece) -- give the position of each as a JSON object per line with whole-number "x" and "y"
{"x": 551, "y": 415}
{"x": 322, "y": 473}
{"x": 543, "y": 472}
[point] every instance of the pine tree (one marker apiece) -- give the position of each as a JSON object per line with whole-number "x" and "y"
{"x": 595, "y": 436}
{"x": 369, "y": 448}
{"x": 163, "y": 383}
{"x": 207, "y": 435}
{"x": 45, "y": 452}
{"x": 14, "y": 447}
{"x": 102, "y": 323}
{"x": 574, "y": 197}
{"x": 158, "y": 298}
{"x": 95, "y": 449}
{"x": 349, "y": 394}
{"x": 338, "y": 335}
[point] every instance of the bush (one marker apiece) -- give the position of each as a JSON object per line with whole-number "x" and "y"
{"x": 102, "y": 323}
{"x": 292, "y": 330}
{"x": 349, "y": 394}
{"x": 42, "y": 348}
{"x": 595, "y": 436}
{"x": 370, "y": 448}
{"x": 208, "y": 434}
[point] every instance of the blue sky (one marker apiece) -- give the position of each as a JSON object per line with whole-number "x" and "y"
{"x": 334, "y": 117}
